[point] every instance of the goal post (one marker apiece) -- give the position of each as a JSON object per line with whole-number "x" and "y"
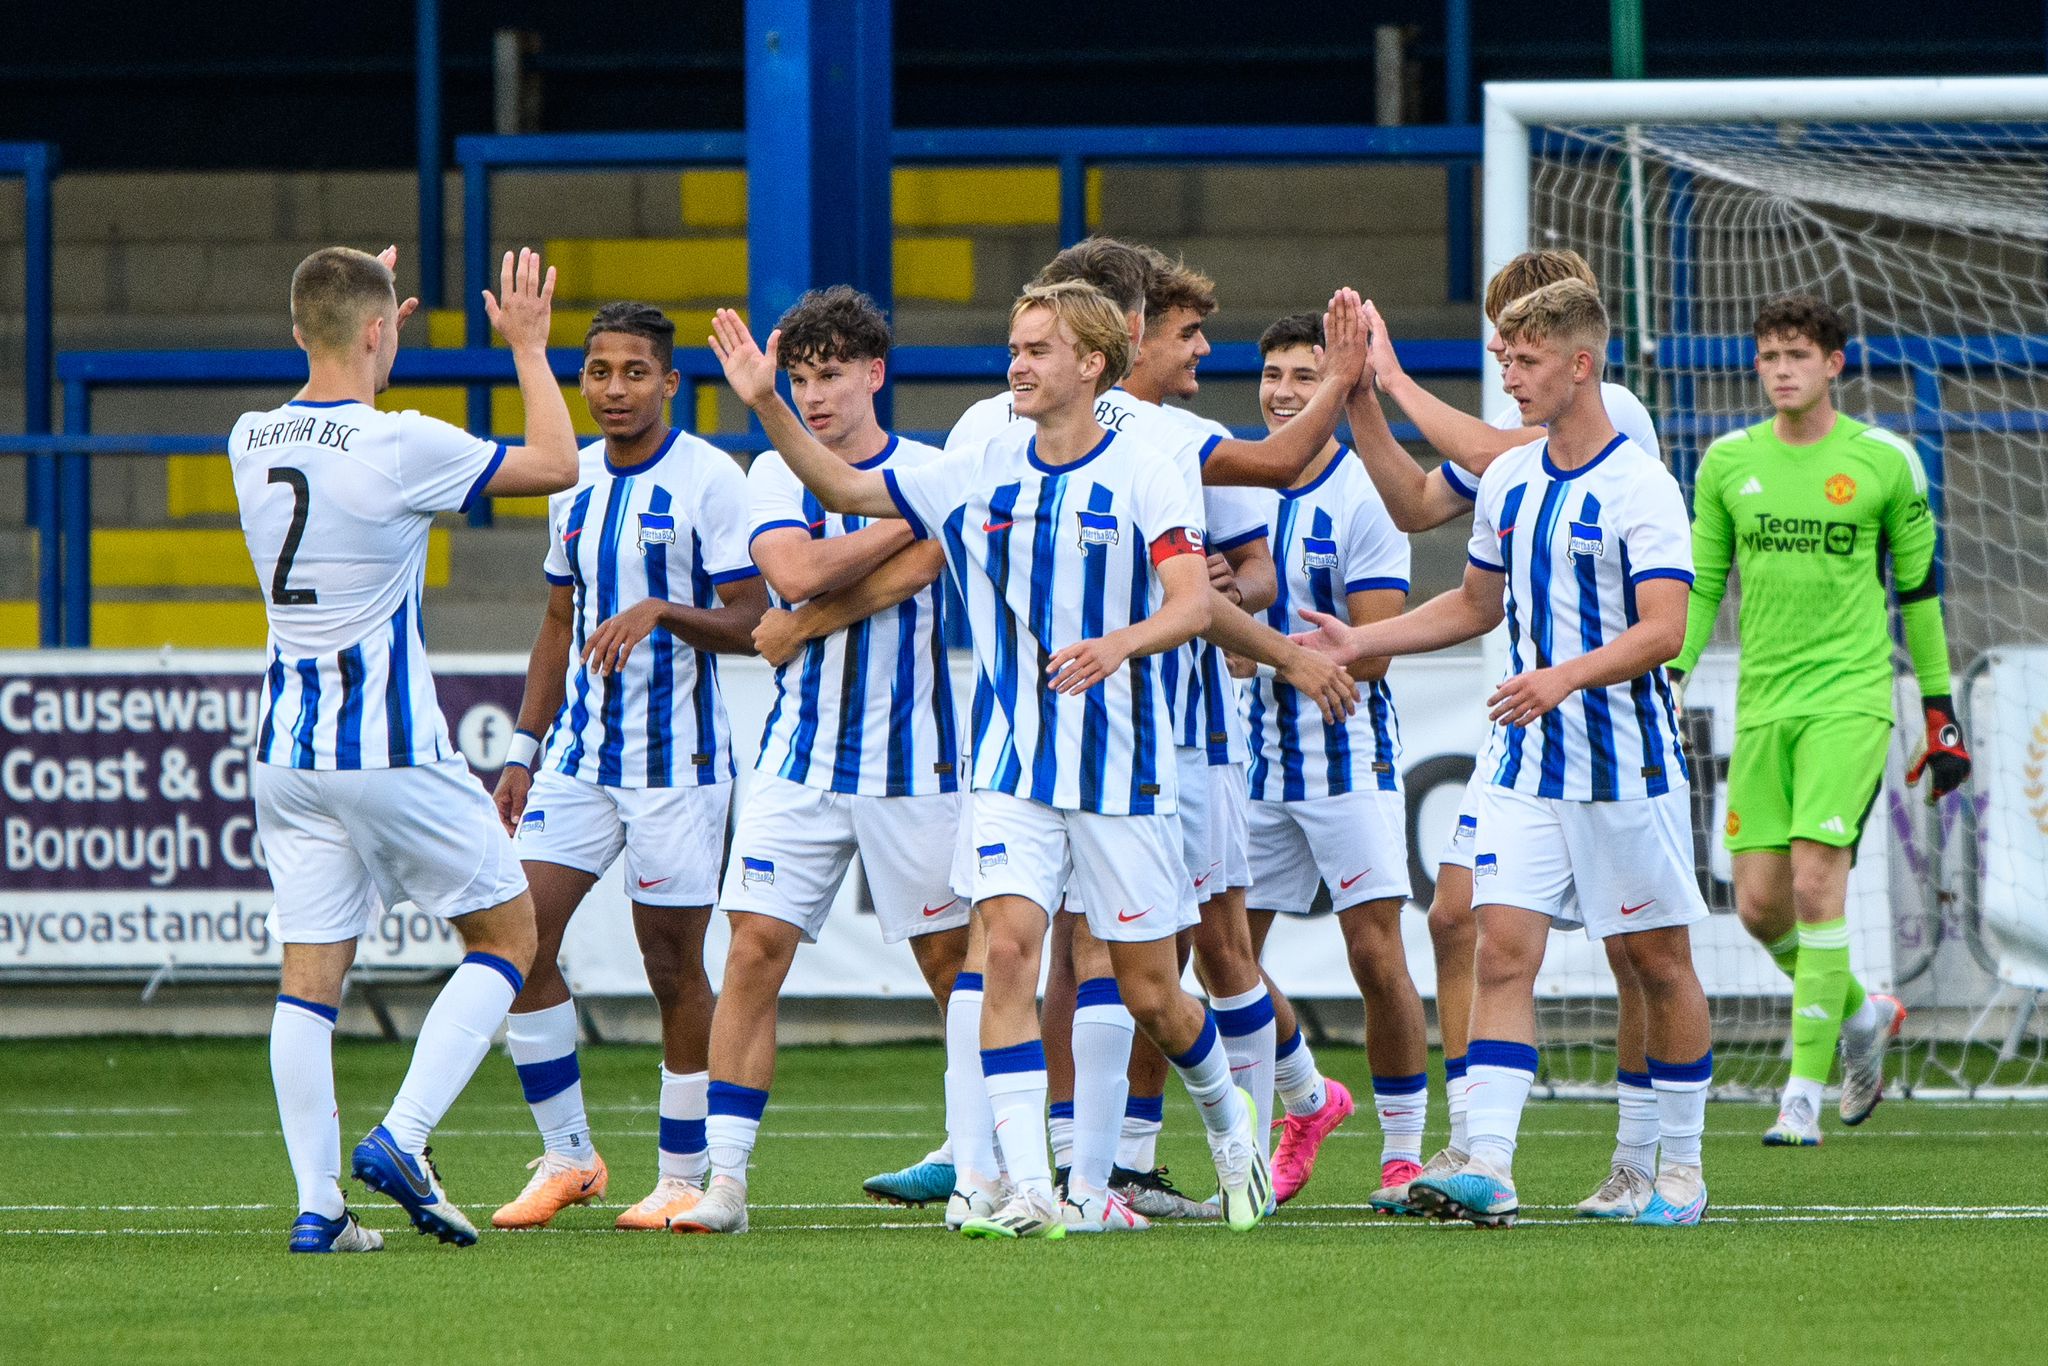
{"x": 1919, "y": 208}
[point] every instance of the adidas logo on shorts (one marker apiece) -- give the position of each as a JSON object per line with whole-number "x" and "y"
{"x": 1834, "y": 826}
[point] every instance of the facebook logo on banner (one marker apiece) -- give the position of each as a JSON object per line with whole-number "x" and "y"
{"x": 993, "y": 854}
{"x": 759, "y": 870}
{"x": 1587, "y": 541}
{"x": 1318, "y": 552}
{"x": 1098, "y": 528}
{"x": 657, "y": 528}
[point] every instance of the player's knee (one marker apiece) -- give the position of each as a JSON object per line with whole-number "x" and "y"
{"x": 1816, "y": 895}
{"x": 1009, "y": 958}
{"x": 1452, "y": 930}
{"x": 1498, "y": 964}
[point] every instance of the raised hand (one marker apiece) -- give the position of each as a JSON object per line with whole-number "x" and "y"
{"x": 748, "y": 369}
{"x": 1343, "y": 355}
{"x": 408, "y": 306}
{"x": 1331, "y": 637}
{"x": 524, "y": 305}
{"x": 1380, "y": 357}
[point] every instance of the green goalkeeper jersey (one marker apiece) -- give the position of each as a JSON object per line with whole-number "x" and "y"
{"x": 1809, "y": 529}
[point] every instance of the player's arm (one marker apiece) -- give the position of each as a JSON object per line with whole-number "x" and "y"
{"x": 1912, "y": 537}
{"x": 1183, "y": 614}
{"x": 547, "y": 462}
{"x": 1328, "y": 683}
{"x": 727, "y": 629}
{"x": 751, "y": 373}
{"x": 799, "y": 566}
{"x": 1470, "y": 442}
{"x": 1713, "y": 552}
{"x": 1466, "y": 612}
{"x": 1277, "y": 460}
{"x": 1417, "y": 499}
{"x": 1657, "y": 634}
{"x": 1368, "y": 605}
{"x": 1245, "y": 574}
{"x": 782, "y": 633}
{"x": 546, "y": 669}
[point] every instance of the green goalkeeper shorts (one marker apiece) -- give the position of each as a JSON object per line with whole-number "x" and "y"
{"x": 1805, "y": 778}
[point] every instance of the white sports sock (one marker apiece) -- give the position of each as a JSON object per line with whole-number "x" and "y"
{"x": 1455, "y": 1083}
{"x": 1301, "y": 1086}
{"x": 1498, "y": 1076}
{"x": 1102, "y": 1061}
{"x": 1205, "y": 1070}
{"x": 1143, "y": 1118}
{"x": 970, "y": 1125}
{"x": 1802, "y": 1087}
{"x": 1681, "y": 1107}
{"x": 943, "y": 1154}
{"x": 1635, "y": 1133}
{"x": 1059, "y": 1128}
{"x": 302, "y": 1070}
{"x": 731, "y": 1125}
{"x": 453, "y": 1040}
{"x": 1865, "y": 1020}
{"x": 680, "y": 1150}
{"x": 1015, "y": 1078}
{"x": 543, "y": 1044}
{"x": 1246, "y": 1023}
{"x": 1403, "y": 1107}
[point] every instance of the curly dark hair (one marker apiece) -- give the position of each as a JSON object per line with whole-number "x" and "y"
{"x": 1802, "y": 315}
{"x": 1296, "y": 329}
{"x": 835, "y": 323}
{"x": 636, "y": 320}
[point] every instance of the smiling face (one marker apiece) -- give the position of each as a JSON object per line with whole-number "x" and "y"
{"x": 625, "y": 384}
{"x": 1171, "y": 348}
{"x": 835, "y": 398}
{"x": 1047, "y": 373}
{"x": 1796, "y": 371}
{"x": 1287, "y": 382}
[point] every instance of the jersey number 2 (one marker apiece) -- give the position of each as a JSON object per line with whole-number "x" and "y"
{"x": 302, "y": 502}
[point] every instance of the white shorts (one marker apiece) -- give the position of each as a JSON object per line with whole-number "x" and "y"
{"x": 1214, "y": 843}
{"x": 792, "y": 844}
{"x": 1126, "y": 872}
{"x": 1458, "y": 846}
{"x": 673, "y": 837}
{"x": 343, "y": 847}
{"x": 1629, "y": 862}
{"x": 1355, "y": 842}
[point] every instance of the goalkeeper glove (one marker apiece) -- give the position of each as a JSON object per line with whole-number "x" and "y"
{"x": 1944, "y": 759}
{"x": 1677, "y": 677}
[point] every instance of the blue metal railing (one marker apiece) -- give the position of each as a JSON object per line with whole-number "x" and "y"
{"x": 36, "y": 164}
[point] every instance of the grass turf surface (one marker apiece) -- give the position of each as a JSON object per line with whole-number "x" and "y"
{"x": 144, "y": 1212}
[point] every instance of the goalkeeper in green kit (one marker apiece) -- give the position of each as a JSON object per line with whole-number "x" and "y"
{"x": 1808, "y": 506}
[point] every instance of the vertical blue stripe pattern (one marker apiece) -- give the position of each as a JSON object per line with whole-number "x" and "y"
{"x": 661, "y": 681}
{"x": 612, "y": 687}
{"x": 348, "y": 739}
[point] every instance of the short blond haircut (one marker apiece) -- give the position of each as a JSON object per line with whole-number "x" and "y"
{"x": 1094, "y": 319}
{"x": 334, "y": 292}
{"x": 1531, "y": 271}
{"x": 1568, "y": 312}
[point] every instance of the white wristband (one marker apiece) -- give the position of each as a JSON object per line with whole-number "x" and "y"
{"x": 523, "y": 749}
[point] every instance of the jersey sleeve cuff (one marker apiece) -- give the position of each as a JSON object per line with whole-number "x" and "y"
{"x": 745, "y": 571}
{"x": 917, "y": 526}
{"x": 1367, "y": 585}
{"x": 1684, "y": 576}
{"x": 777, "y": 525}
{"x": 1478, "y": 563}
{"x": 558, "y": 580}
{"x": 476, "y": 490}
{"x": 1209, "y": 448}
{"x": 1461, "y": 483}
{"x": 1257, "y": 533}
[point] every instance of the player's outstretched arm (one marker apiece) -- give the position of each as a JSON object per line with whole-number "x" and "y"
{"x": 1365, "y": 607}
{"x": 547, "y": 462}
{"x": 1278, "y": 460}
{"x": 1183, "y": 614}
{"x": 546, "y": 669}
{"x": 1467, "y": 441}
{"x": 781, "y": 634}
{"x": 1713, "y": 551}
{"x": 1416, "y": 499}
{"x": 1656, "y": 636}
{"x": 1465, "y": 613}
{"x": 727, "y": 629}
{"x": 751, "y": 372}
{"x": 1328, "y": 683}
{"x": 1911, "y": 537}
{"x": 799, "y": 566}
{"x": 1249, "y": 578}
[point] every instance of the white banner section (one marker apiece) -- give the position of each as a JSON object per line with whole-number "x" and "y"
{"x": 2008, "y": 733}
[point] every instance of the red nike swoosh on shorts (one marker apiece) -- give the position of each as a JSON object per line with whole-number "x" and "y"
{"x": 1127, "y": 919}
{"x": 935, "y": 910}
{"x": 1631, "y": 910}
{"x": 1203, "y": 878}
{"x": 644, "y": 883}
{"x": 1345, "y": 885}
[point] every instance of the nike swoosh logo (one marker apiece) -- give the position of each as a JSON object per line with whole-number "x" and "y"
{"x": 993, "y": 527}
{"x": 818, "y": 525}
{"x": 589, "y": 1182}
{"x": 1203, "y": 878}
{"x": 644, "y": 883}
{"x": 942, "y": 906}
{"x": 1127, "y": 919}
{"x": 572, "y": 535}
{"x": 419, "y": 1184}
{"x": 1506, "y": 532}
{"x": 1345, "y": 885}
{"x": 1631, "y": 910}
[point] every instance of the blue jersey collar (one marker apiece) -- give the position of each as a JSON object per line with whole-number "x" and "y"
{"x": 1555, "y": 473}
{"x": 1031, "y": 454}
{"x": 645, "y": 465}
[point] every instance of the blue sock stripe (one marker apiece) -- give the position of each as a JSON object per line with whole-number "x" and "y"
{"x": 967, "y": 981}
{"x": 682, "y": 1136}
{"x": 499, "y": 966}
{"x": 1701, "y": 1069}
{"x": 1411, "y": 1085}
{"x": 1097, "y": 991}
{"x": 1288, "y": 1044}
{"x": 1515, "y": 1057}
{"x": 1204, "y": 1043}
{"x": 1151, "y": 1108}
{"x": 1060, "y": 1109}
{"x": 544, "y": 1080}
{"x": 726, "y": 1098}
{"x": 1028, "y": 1056}
{"x": 327, "y": 1013}
{"x": 1242, "y": 1020}
{"x": 1454, "y": 1068}
{"x": 1627, "y": 1078}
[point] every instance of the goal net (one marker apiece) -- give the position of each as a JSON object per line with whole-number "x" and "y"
{"x": 1920, "y": 210}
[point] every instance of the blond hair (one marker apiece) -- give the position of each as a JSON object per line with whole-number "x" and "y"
{"x": 1531, "y": 271}
{"x": 1568, "y": 312}
{"x": 1093, "y": 318}
{"x": 334, "y": 291}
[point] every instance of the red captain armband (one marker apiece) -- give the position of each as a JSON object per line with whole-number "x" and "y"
{"x": 1182, "y": 540}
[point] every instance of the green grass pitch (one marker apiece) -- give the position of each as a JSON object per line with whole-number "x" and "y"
{"x": 145, "y": 1198}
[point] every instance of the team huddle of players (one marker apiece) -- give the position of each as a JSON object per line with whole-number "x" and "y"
{"x": 1180, "y": 727}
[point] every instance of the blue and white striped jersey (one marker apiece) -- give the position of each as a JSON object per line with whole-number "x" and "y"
{"x": 675, "y": 528}
{"x": 1574, "y": 544}
{"x": 869, "y": 709}
{"x": 1624, "y": 410}
{"x": 1332, "y": 537}
{"x": 1046, "y": 556}
{"x": 336, "y": 501}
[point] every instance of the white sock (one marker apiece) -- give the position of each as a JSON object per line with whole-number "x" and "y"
{"x": 302, "y": 1070}
{"x": 1102, "y": 1062}
{"x": 1454, "y": 1099}
{"x": 943, "y": 1154}
{"x": 1301, "y": 1086}
{"x": 453, "y": 1041}
{"x": 1498, "y": 1076}
{"x": 1246, "y": 1023}
{"x": 1865, "y": 1020}
{"x": 1059, "y": 1128}
{"x": 970, "y": 1125}
{"x": 1015, "y": 1078}
{"x": 1403, "y": 1106}
{"x": 1205, "y": 1070}
{"x": 732, "y": 1121}
{"x": 1799, "y": 1087}
{"x": 543, "y": 1044}
{"x": 1681, "y": 1107}
{"x": 680, "y": 1149}
{"x": 1635, "y": 1133}
{"x": 1143, "y": 1118}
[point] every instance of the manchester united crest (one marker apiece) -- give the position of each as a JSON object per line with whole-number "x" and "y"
{"x": 1840, "y": 489}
